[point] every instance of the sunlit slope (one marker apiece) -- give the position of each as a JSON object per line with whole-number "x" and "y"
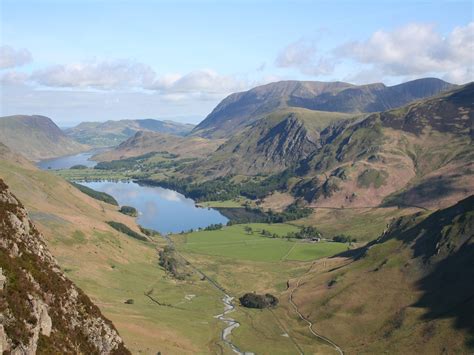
{"x": 112, "y": 267}
{"x": 36, "y": 137}
{"x": 410, "y": 291}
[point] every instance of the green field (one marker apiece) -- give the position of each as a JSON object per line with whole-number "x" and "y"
{"x": 234, "y": 242}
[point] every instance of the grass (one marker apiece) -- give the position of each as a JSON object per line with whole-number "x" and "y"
{"x": 312, "y": 251}
{"x": 235, "y": 243}
{"x": 222, "y": 204}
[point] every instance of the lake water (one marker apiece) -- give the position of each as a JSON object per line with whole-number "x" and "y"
{"x": 67, "y": 161}
{"x": 164, "y": 210}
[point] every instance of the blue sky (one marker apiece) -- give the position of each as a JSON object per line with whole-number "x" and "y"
{"x": 97, "y": 60}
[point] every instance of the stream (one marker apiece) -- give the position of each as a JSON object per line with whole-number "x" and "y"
{"x": 231, "y": 324}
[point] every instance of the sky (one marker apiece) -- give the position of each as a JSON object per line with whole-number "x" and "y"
{"x": 96, "y": 60}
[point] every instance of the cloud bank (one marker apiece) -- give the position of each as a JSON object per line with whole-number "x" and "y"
{"x": 408, "y": 51}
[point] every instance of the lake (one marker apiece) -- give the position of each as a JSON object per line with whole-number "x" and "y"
{"x": 164, "y": 210}
{"x": 67, "y": 161}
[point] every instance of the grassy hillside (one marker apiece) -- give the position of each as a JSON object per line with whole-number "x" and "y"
{"x": 36, "y": 137}
{"x": 112, "y": 267}
{"x": 408, "y": 291}
{"x": 400, "y": 153}
{"x": 270, "y": 145}
{"x": 147, "y": 142}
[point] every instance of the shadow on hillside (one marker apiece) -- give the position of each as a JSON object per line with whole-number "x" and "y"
{"x": 424, "y": 192}
{"x": 449, "y": 290}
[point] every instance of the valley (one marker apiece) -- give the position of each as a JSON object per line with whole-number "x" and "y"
{"x": 348, "y": 213}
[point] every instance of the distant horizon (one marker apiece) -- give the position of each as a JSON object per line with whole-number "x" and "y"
{"x": 197, "y": 120}
{"x": 181, "y": 58}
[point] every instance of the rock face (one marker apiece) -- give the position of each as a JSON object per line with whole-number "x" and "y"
{"x": 42, "y": 311}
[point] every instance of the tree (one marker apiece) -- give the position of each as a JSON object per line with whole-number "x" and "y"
{"x": 248, "y": 230}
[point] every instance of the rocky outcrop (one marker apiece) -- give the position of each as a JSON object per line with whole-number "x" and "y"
{"x": 42, "y": 311}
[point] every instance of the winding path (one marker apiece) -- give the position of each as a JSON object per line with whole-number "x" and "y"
{"x": 310, "y": 324}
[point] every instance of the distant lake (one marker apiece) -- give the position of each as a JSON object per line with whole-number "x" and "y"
{"x": 67, "y": 161}
{"x": 164, "y": 210}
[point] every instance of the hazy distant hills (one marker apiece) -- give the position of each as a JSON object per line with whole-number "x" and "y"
{"x": 36, "y": 137}
{"x": 112, "y": 133}
{"x": 144, "y": 142}
{"x": 241, "y": 109}
{"x": 409, "y": 291}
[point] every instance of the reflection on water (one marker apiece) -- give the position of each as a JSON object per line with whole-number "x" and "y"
{"x": 69, "y": 160}
{"x": 164, "y": 210}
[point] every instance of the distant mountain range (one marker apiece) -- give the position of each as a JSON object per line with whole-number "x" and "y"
{"x": 244, "y": 108}
{"x": 36, "y": 137}
{"x": 112, "y": 133}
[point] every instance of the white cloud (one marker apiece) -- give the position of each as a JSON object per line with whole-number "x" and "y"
{"x": 303, "y": 55}
{"x": 11, "y": 57}
{"x": 416, "y": 49}
{"x": 199, "y": 81}
{"x": 105, "y": 75}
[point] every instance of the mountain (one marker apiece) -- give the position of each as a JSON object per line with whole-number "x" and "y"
{"x": 276, "y": 142}
{"x": 244, "y": 108}
{"x": 409, "y": 291}
{"x": 36, "y": 137}
{"x": 112, "y": 133}
{"x": 41, "y": 310}
{"x": 400, "y": 156}
{"x": 146, "y": 142}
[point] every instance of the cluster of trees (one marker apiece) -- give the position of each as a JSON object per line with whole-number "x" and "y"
{"x": 129, "y": 210}
{"x": 169, "y": 262}
{"x": 126, "y": 230}
{"x": 342, "y": 238}
{"x": 307, "y": 232}
{"x": 224, "y": 188}
{"x": 214, "y": 227}
{"x": 269, "y": 234}
{"x": 143, "y": 164}
{"x": 253, "y": 300}
{"x": 101, "y": 196}
{"x": 149, "y": 232}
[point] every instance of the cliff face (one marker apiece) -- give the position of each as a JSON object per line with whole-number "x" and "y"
{"x": 42, "y": 311}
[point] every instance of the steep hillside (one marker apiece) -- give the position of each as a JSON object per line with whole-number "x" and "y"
{"x": 146, "y": 142}
{"x": 36, "y": 137}
{"x": 410, "y": 291}
{"x": 401, "y": 153}
{"x": 109, "y": 266}
{"x": 241, "y": 109}
{"x": 42, "y": 311}
{"x": 270, "y": 145}
{"x": 112, "y": 133}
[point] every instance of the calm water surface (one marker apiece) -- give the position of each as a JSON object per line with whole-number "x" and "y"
{"x": 164, "y": 210}
{"x": 69, "y": 160}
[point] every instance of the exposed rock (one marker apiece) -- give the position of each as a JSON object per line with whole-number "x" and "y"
{"x": 40, "y": 309}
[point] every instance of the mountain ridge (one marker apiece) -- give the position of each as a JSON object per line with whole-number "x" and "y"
{"x": 240, "y": 109}
{"x": 36, "y": 137}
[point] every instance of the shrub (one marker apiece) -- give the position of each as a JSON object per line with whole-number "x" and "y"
{"x": 126, "y": 230}
{"x": 128, "y": 210}
{"x": 253, "y": 300}
{"x": 101, "y": 196}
